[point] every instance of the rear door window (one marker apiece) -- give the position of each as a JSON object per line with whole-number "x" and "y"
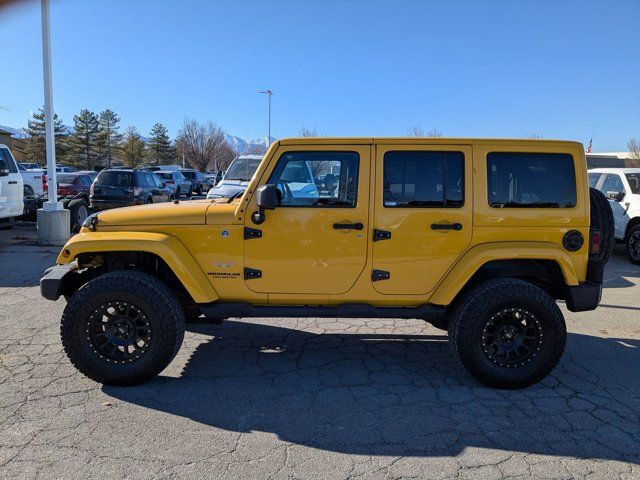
{"x": 612, "y": 183}
{"x": 531, "y": 180}
{"x": 423, "y": 179}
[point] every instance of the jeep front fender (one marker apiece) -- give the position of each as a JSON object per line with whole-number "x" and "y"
{"x": 167, "y": 247}
{"x": 476, "y": 257}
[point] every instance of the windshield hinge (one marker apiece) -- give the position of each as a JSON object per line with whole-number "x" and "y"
{"x": 252, "y": 233}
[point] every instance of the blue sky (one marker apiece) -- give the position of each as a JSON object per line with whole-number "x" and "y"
{"x": 470, "y": 68}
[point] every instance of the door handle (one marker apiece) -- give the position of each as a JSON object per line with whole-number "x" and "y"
{"x": 446, "y": 226}
{"x": 13, "y": 182}
{"x": 348, "y": 226}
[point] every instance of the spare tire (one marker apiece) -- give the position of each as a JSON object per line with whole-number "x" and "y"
{"x": 602, "y": 219}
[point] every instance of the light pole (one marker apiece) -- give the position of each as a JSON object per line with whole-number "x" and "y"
{"x": 53, "y": 219}
{"x": 269, "y": 93}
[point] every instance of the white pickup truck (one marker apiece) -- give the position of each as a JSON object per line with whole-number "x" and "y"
{"x": 11, "y": 189}
{"x": 622, "y": 187}
{"x": 34, "y": 180}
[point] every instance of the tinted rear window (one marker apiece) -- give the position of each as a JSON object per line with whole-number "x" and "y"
{"x": 189, "y": 174}
{"x": 531, "y": 180}
{"x": 62, "y": 178}
{"x": 165, "y": 176}
{"x": 121, "y": 179}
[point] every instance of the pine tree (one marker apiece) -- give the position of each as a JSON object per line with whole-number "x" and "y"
{"x": 132, "y": 148}
{"x": 36, "y": 149}
{"x": 108, "y": 136}
{"x": 159, "y": 148}
{"x": 85, "y": 137}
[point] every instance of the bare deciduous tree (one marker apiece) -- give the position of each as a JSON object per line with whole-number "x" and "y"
{"x": 634, "y": 148}
{"x": 308, "y": 132}
{"x": 202, "y": 144}
{"x": 418, "y": 131}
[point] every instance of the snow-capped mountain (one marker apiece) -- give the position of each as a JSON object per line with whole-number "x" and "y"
{"x": 239, "y": 144}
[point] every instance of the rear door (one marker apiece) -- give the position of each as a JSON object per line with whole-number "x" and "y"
{"x": 422, "y": 217}
{"x": 611, "y": 185}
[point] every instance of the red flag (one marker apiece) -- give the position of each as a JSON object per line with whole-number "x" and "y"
{"x": 589, "y": 147}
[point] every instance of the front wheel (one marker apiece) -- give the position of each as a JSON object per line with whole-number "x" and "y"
{"x": 507, "y": 333}
{"x": 122, "y": 328}
{"x": 633, "y": 244}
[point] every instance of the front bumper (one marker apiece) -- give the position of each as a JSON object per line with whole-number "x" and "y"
{"x": 586, "y": 296}
{"x": 51, "y": 283}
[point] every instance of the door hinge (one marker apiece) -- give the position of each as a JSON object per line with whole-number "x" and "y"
{"x": 252, "y": 233}
{"x": 250, "y": 273}
{"x": 381, "y": 235}
{"x": 380, "y": 275}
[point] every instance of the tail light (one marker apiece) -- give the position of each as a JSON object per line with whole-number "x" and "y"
{"x": 45, "y": 187}
{"x": 596, "y": 242}
{"x": 137, "y": 191}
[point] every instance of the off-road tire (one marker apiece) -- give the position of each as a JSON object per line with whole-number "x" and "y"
{"x": 602, "y": 219}
{"x": 76, "y": 207}
{"x": 633, "y": 244}
{"x": 479, "y": 305}
{"x": 163, "y": 314}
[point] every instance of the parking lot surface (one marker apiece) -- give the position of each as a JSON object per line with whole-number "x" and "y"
{"x": 315, "y": 398}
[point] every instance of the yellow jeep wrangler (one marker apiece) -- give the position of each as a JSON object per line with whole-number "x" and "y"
{"x": 478, "y": 237}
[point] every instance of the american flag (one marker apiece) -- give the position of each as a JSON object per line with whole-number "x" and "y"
{"x": 589, "y": 147}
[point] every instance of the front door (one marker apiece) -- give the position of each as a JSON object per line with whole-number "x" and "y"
{"x": 315, "y": 241}
{"x": 611, "y": 184}
{"x": 422, "y": 217}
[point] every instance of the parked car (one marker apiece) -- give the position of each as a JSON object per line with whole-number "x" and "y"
{"x": 35, "y": 180}
{"x": 411, "y": 232}
{"x": 122, "y": 187}
{"x": 199, "y": 183}
{"x": 76, "y": 183}
{"x": 215, "y": 177}
{"x": 177, "y": 182}
{"x": 237, "y": 176}
{"x": 621, "y": 186}
{"x": 11, "y": 188}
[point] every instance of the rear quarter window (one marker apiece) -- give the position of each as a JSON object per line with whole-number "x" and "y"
{"x": 531, "y": 180}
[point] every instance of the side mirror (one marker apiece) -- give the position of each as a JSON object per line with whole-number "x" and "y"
{"x": 4, "y": 169}
{"x": 267, "y": 199}
{"x": 617, "y": 196}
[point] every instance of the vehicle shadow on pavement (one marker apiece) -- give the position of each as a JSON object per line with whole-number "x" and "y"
{"x": 398, "y": 394}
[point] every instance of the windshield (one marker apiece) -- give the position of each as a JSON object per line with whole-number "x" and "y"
{"x": 120, "y": 179}
{"x": 242, "y": 169}
{"x": 66, "y": 178}
{"x": 634, "y": 182}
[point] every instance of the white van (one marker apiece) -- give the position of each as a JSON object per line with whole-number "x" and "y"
{"x": 11, "y": 187}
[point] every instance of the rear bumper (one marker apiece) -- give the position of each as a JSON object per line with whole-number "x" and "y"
{"x": 51, "y": 283}
{"x": 586, "y": 296}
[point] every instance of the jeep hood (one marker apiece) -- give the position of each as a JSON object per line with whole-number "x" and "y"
{"x": 170, "y": 213}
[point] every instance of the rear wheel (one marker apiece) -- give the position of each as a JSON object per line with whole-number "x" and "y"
{"x": 602, "y": 219}
{"x": 122, "y": 328}
{"x": 507, "y": 333}
{"x": 633, "y": 244}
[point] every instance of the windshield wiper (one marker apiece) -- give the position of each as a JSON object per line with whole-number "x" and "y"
{"x": 234, "y": 196}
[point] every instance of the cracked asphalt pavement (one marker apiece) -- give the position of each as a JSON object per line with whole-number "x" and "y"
{"x": 315, "y": 398}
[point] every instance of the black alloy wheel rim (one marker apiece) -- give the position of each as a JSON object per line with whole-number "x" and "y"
{"x": 512, "y": 337}
{"x": 118, "y": 332}
{"x": 634, "y": 245}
